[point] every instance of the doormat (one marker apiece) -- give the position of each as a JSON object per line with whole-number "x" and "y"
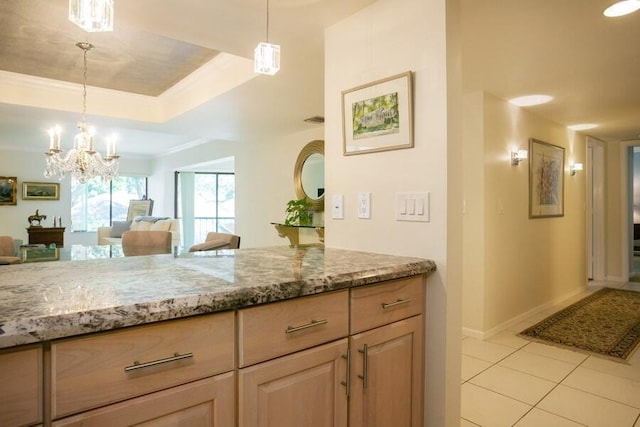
{"x": 606, "y": 323}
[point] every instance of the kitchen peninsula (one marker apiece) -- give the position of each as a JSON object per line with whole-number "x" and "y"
{"x": 117, "y": 340}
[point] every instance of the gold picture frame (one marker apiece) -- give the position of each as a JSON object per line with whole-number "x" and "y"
{"x": 546, "y": 179}
{"x": 378, "y": 116}
{"x": 8, "y": 190}
{"x": 40, "y": 191}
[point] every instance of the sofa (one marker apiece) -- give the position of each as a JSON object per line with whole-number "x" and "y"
{"x": 113, "y": 235}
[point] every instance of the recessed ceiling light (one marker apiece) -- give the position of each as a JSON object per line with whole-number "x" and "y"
{"x": 530, "y": 100}
{"x": 583, "y": 126}
{"x": 622, "y": 8}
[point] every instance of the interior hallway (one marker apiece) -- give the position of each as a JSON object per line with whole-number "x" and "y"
{"x": 510, "y": 381}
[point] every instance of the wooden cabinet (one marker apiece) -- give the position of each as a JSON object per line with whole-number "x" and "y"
{"x": 21, "y": 386}
{"x": 203, "y": 403}
{"x": 110, "y": 367}
{"x": 46, "y": 235}
{"x": 386, "y": 375}
{"x": 306, "y": 388}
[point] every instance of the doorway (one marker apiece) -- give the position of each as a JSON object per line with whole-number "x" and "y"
{"x": 634, "y": 213}
{"x": 595, "y": 210}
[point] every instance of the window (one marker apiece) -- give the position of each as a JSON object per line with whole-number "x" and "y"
{"x": 205, "y": 202}
{"x": 97, "y": 203}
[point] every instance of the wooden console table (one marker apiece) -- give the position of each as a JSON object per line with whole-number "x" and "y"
{"x": 46, "y": 235}
{"x": 292, "y": 231}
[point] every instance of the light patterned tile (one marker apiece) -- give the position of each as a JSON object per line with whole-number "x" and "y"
{"x": 518, "y": 385}
{"x": 539, "y": 366}
{"x": 538, "y": 418}
{"x": 465, "y": 423}
{"x": 630, "y": 370}
{"x": 554, "y": 352}
{"x": 487, "y": 408}
{"x": 599, "y": 383}
{"x": 509, "y": 339}
{"x": 472, "y": 366}
{"x": 588, "y": 409}
{"x": 485, "y": 350}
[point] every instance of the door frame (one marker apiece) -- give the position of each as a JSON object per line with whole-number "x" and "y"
{"x": 595, "y": 209}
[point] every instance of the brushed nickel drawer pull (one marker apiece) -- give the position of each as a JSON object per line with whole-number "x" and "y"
{"x": 386, "y": 305}
{"x": 174, "y": 358}
{"x": 347, "y": 382}
{"x": 312, "y": 324}
{"x": 365, "y": 366}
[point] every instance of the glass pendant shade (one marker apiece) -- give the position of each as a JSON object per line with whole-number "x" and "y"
{"x": 267, "y": 58}
{"x": 92, "y": 15}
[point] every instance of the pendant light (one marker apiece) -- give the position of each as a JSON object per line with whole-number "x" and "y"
{"x": 267, "y": 55}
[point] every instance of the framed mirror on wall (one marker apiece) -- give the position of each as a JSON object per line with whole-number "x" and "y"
{"x": 308, "y": 174}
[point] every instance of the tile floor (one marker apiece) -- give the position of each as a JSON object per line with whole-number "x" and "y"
{"x": 510, "y": 381}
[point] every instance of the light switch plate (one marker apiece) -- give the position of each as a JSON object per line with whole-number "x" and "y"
{"x": 413, "y": 207}
{"x": 337, "y": 203}
{"x": 364, "y": 205}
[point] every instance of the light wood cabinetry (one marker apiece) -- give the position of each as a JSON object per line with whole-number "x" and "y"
{"x": 21, "y": 386}
{"x": 102, "y": 369}
{"x": 302, "y": 389}
{"x": 203, "y": 403}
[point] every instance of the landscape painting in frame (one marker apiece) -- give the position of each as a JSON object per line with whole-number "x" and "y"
{"x": 8, "y": 190}
{"x": 139, "y": 208}
{"x": 378, "y": 116}
{"x": 546, "y": 180}
{"x": 40, "y": 191}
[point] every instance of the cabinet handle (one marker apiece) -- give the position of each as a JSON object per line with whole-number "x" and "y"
{"x": 386, "y": 305}
{"x": 365, "y": 366}
{"x": 174, "y": 358}
{"x": 347, "y": 382}
{"x": 313, "y": 323}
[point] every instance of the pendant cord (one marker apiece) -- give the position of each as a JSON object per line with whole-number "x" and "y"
{"x": 84, "y": 89}
{"x": 267, "y": 21}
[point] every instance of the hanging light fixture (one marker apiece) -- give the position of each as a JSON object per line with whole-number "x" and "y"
{"x": 92, "y": 15}
{"x": 267, "y": 55}
{"x": 82, "y": 161}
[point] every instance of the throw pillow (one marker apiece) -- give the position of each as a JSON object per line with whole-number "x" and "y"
{"x": 119, "y": 227}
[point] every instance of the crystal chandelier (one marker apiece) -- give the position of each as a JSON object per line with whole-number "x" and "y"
{"x": 82, "y": 161}
{"x": 92, "y": 15}
{"x": 267, "y": 55}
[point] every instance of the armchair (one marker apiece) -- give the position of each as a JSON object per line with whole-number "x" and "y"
{"x": 146, "y": 242}
{"x": 8, "y": 251}
{"x": 215, "y": 241}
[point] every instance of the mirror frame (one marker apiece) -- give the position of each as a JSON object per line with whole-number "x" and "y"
{"x": 313, "y": 147}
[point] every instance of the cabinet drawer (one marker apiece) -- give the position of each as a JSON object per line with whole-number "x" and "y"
{"x": 280, "y": 328}
{"x": 21, "y": 390}
{"x": 386, "y": 302}
{"x": 108, "y": 367}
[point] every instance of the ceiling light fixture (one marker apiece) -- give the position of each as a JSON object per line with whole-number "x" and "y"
{"x": 621, "y": 8}
{"x": 530, "y": 100}
{"x": 92, "y": 15}
{"x": 582, "y": 126}
{"x": 267, "y": 55}
{"x": 82, "y": 161}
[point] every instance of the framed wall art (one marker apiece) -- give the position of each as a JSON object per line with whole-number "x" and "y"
{"x": 378, "y": 116}
{"x": 40, "y": 191}
{"x": 546, "y": 179}
{"x": 139, "y": 208}
{"x": 8, "y": 190}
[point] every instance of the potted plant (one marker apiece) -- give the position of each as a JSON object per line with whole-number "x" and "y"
{"x": 299, "y": 212}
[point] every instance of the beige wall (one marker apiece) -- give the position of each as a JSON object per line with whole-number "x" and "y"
{"x": 517, "y": 264}
{"x": 385, "y": 39}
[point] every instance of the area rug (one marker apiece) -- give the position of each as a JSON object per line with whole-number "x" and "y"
{"x": 606, "y": 323}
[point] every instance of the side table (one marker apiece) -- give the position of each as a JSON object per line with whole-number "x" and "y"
{"x": 46, "y": 235}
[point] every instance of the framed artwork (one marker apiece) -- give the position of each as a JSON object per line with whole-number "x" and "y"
{"x": 39, "y": 254}
{"x": 378, "y": 116}
{"x": 40, "y": 191}
{"x": 8, "y": 190}
{"x": 139, "y": 208}
{"x": 546, "y": 179}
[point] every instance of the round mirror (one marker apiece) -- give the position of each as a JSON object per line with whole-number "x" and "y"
{"x": 308, "y": 174}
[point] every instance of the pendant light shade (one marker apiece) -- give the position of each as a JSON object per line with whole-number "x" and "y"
{"x": 92, "y": 15}
{"x": 266, "y": 55}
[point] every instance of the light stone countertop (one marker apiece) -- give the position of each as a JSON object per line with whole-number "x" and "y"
{"x": 49, "y": 300}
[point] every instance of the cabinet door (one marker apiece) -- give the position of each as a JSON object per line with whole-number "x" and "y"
{"x": 386, "y": 375}
{"x": 204, "y": 403}
{"x": 21, "y": 387}
{"x": 301, "y": 389}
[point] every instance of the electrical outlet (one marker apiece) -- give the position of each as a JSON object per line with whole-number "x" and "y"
{"x": 364, "y": 205}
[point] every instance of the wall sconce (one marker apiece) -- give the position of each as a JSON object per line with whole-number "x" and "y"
{"x": 518, "y": 156}
{"x": 574, "y": 168}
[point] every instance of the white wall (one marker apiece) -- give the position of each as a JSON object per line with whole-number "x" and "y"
{"x": 264, "y": 181}
{"x": 514, "y": 264}
{"x": 387, "y": 38}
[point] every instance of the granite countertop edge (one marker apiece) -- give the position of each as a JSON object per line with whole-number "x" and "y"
{"x": 31, "y": 330}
